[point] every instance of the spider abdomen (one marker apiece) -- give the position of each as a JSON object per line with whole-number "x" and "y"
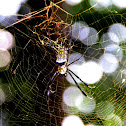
{"x": 62, "y": 55}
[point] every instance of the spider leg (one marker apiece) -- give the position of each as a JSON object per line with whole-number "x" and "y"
{"x": 69, "y": 44}
{"x": 50, "y": 40}
{"x": 80, "y": 79}
{"x": 68, "y": 52}
{"x": 79, "y": 86}
{"x": 74, "y": 61}
{"x": 51, "y": 45}
{"x": 49, "y": 85}
{"x": 70, "y": 40}
{"x": 50, "y": 89}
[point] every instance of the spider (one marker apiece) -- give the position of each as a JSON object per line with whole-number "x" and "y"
{"x": 62, "y": 61}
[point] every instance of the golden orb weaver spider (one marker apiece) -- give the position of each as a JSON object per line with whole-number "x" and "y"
{"x": 62, "y": 61}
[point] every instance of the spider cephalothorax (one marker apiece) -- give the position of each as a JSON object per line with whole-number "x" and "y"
{"x": 62, "y": 70}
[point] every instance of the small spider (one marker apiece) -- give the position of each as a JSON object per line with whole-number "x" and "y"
{"x": 62, "y": 61}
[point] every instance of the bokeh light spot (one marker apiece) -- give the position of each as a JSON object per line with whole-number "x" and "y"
{"x": 72, "y": 120}
{"x": 72, "y": 96}
{"x": 108, "y": 62}
{"x": 90, "y": 72}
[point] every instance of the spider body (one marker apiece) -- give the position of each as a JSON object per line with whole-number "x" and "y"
{"x": 62, "y": 61}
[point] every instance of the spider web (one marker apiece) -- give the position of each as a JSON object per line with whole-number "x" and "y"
{"x": 33, "y": 65}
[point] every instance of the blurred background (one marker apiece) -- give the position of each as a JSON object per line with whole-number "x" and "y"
{"x": 27, "y": 62}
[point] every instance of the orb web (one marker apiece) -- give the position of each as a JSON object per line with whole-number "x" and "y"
{"x": 97, "y": 37}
